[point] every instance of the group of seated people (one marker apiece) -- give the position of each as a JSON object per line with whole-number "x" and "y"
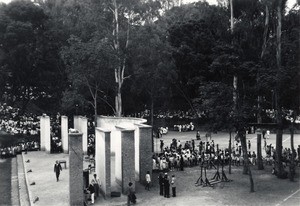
{"x": 184, "y": 127}
{"x": 12, "y": 151}
{"x": 12, "y": 122}
{"x": 177, "y": 156}
{"x": 166, "y": 114}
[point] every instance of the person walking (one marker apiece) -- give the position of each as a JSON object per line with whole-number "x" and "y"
{"x": 148, "y": 181}
{"x": 57, "y": 169}
{"x": 96, "y": 183}
{"x": 173, "y": 184}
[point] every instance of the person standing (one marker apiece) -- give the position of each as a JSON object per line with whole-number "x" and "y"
{"x": 198, "y": 135}
{"x": 161, "y": 146}
{"x": 130, "y": 194}
{"x": 161, "y": 184}
{"x": 57, "y": 169}
{"x": 193, "y": 145}
{"x": 167, "y": 186}
{"x": 181, "y": 163}
{"x": 96, "y": 183}
{"x": 249, "y": 144}
{"x": 173, "y": 184}
{"x": 92, "y": 192}
{"x": 148, "y": 181}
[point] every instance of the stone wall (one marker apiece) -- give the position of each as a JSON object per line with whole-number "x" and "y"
{"x": 76, "y": 185}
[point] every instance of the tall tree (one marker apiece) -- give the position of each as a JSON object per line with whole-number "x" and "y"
{"x": 280, "y": 5}
{"x": 35, "y": 74}
{"x": 89, "y": 66}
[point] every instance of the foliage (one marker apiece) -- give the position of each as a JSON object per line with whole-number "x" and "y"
{"x": 30, "y": 57}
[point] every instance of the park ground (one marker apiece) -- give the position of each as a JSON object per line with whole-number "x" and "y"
{"x": 269, "y": 190}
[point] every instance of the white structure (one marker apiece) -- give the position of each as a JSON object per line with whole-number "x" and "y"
{"x": 45, "y": 137}
{"x": 64, "y": 134}
{"x": 80, "y": 123}
{"x": 129, "y": 140}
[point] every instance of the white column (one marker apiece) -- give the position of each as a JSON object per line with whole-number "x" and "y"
{"x": 42, "y": 136}
{"x": 84, "y": 130}
{"x": 64, "y": 134}
{"x": 46, "y": 133}
{"x": 102, "y": 159}
{"x": 76, "y": 123}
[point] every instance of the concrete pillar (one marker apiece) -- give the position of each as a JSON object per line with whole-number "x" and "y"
{"x": 45, "y": 137}
{"x": 145, "y": 151}
{"x": 64, "y": 134}
{"x": 103, "y": 160}
{"x": 76, "y": 169}
{"x": 42, "y": 141}
{"x": 76, "y": 122}
{"x": 128, "y": 166}
{"x": 84, "y": 130}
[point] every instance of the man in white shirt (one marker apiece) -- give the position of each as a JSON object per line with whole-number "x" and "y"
{"x": 148, "y": 181}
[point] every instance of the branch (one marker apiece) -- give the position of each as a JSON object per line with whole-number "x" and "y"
{"x": 104, "y": 100}
{"x": 91, "y": 104}
{"x": 89, "y": 86}
{"x": 127, "y": 77}
{"x": 187, "y": 99}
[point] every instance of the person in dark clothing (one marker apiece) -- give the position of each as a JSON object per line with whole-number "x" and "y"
{"x": 181, "y": 163}
{"x": 198, "y": 135}
{"x": 91, "y": 189}
{"x": 57, "y": 169}
{"x": 173, "y": 183}
{"x": 193, "y": 145}
{"x": 167, "y": 186}
{"x": 162, "y": 145}
{"x": 130, "y": 194}
{"x": 161, "y": 184}
{"x": 263, "y": 133}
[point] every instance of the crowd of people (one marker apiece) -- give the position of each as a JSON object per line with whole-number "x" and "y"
{"x": 177, "y": 155}
{"x": 184, "y": 127}
{"x": 166, "y": 114}
{"x": 12, "y": 122}
{"x": 12, "y": 151}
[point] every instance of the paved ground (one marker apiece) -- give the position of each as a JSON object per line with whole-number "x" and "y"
{"x": 268, "y": 189}
{"x": 5, "y": 183}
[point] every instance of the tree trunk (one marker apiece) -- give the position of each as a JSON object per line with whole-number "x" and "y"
{"x": 246, "y": 169}
{"x": 260, "y": 165}
{"x": 279, "y": 166}
{"x": 292, "y": 165}
{"x": 251, "y": 179}
{"x": 95, "y": 110}
{"x": 152, "y": 120}
{"x": 242, "y": 135}
{"x": 119, "y": 100}
{"x": 259, "y": 118}
{"x": 231, "y": 16}
{"x": 229, "y": 170}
